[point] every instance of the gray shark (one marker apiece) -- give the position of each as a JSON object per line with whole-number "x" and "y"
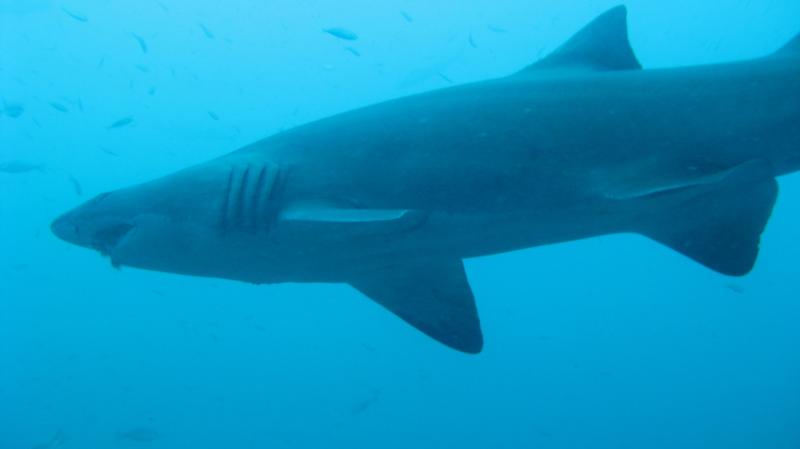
{"x": 392, "y": 197}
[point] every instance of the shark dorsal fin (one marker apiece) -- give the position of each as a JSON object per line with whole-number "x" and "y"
{"x": 791, "y": 48}
{"x": 601, "y": 45}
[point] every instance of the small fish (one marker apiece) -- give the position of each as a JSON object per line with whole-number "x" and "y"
{"x": 142, "y": 68}
{"x": 151, "y": 90}
{"x": 472, "y": 41}
{"x": 213, "y": 115}
{"x": 125, "y": 121}
{"x": 108, "y": 152}
{"x": 56, "y": 442}
{"x": 353, "y": 51}
{"x": 496, "y": 29}
{"x": 362, "y": 406}
{"x": 141, "y": 41}
{"x": 58, "y": 106}
{"x": 80, "y": 104}
{"x": 736, "y": 288}
{"x": 76, "y": 186}
{"x": 342, "y": 33}
{"x": 19, "y": 267}
{"x": 102, "y": 62}
{"x": 139, "y": 434}
{"x": 163, "y": 6}
{"x": 16, "y": 167}
{"x": 407, "y": 16}
{"x": 209, "y": 34}
{"x": 13, "y": 110}
{"x": 75, "y": 15}
{"x": 444, "y": 77}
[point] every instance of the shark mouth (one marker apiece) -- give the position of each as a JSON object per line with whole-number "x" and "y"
{"x": 109, "y": 238}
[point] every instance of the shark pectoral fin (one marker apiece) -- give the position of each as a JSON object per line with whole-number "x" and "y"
{"x": 718, "y": 224}
{"x": 324, "y": 216}
{"x": 329, "y": 213}
{"x": 435, "y": 297}
{"x": 602, "y": 45}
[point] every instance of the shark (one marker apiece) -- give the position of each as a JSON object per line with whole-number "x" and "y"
{"x": 391, "y": 198}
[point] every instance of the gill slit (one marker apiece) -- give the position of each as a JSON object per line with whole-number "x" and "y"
{"x": 226, "y": 202}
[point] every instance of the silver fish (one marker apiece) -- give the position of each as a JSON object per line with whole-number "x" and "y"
{"x": 125, "y": 121}
{"x": 77, "y": 16}
{"x": 76, "y": 186}
{"x": 58, "y": 106}
{"x": 16, "y": 167}
{"x": 13, "y": 110}
{"x": 140, "y": 434}
{"x": 141, "y": 41}
{"x": 342, "y": 33}
{"x": 56, "y": 442}
{"x": 206, "y": 31}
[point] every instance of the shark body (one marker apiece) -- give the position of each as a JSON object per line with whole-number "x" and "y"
{"x": 392, "y": 197}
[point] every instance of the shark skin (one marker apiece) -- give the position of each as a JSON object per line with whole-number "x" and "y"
{"x": 392, "y": 197}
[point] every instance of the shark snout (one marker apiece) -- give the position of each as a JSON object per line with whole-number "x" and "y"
{"x": 103, "y": 236}
{"x": 65, "y": 228}
{"x": 93, "y": 225}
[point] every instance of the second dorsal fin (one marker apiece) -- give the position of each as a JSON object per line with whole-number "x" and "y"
{"x": 601, "y": 45}
{"x": 791, "y": 48}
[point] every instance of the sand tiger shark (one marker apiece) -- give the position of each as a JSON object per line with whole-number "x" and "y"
{"x": 391, "y": 198}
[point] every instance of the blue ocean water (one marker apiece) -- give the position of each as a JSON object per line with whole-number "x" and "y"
{"x": 611, "y": 342}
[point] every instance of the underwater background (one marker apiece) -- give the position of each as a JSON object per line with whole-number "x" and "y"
{"x": 612, "y": 342}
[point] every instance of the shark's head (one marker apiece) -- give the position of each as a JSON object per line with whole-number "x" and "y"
{"x": 139, "y": 225}
{"x": 180, "y": 223}
{"x": 101, "y": 223}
